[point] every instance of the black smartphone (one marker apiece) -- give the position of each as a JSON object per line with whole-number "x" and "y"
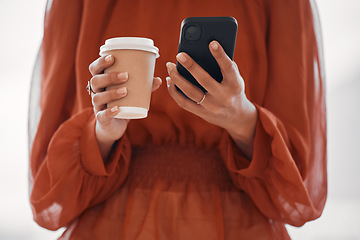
{"x": 195, "y": 36}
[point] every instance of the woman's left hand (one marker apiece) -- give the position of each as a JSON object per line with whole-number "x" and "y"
{"x": 224, "y": 104}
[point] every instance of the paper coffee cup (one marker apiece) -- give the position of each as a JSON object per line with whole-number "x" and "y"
{"x": 137, "y": 57}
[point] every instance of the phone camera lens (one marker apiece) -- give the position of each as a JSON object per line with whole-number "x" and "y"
{"x": 192, "y": 33}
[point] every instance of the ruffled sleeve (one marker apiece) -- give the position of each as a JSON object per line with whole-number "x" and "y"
{"x": 73, "y": 176}
{"x": 286, "y": 177}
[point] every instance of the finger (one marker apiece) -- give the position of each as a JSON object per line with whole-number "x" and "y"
{"x": 156, "y": 83}
{"x": 105, "y": 116}
{"x": 227, "y": 66}
{"x": 203, "y": 78}
{"x": 190, "y": 90}
{"x": 100, "y": 100}
{"x": 99, "y": 65}
{"x": 101, "y": 81}
{"x": 180, "y": 99}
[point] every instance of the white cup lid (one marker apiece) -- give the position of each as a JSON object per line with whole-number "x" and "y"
{"x": 136, "y": 43}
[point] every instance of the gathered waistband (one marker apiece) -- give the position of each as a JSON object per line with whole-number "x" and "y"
{"x": 176, "y": 164}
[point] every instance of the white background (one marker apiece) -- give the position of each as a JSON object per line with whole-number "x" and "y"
{"x": 21, "y": 24}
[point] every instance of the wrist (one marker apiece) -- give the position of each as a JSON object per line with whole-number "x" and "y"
{"x": 102, "y": 137}
{"x": 243, "y": 127}
{"x": 243, "y": 131}
{"x": 105, "y": 142}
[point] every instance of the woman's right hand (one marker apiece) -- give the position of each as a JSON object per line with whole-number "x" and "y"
{"x": 108, "y": 128}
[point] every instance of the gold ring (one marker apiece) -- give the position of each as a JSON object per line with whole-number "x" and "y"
{"x": 89, "y": 88}
{"x": 201, "y": 99}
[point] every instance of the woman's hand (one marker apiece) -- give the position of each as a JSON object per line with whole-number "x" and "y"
{"x": 224, "y": 104}
{"x": 108, "y": 128}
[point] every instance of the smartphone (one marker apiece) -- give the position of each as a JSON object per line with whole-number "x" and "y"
{"x": 195, "y": 36}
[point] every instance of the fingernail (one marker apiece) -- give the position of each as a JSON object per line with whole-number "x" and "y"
{"x": 108, "y": 58}
{"x": 123, "y": 75}
{"x": 214, "y": 45}
{"x": 169, "y": 67}
{"x": 114, "y": 109}
{"x": 168, "y": 79}
{"x": 121, "y": 90}
{"x": 181, "y": 57}
{"x": 159, "y": 79}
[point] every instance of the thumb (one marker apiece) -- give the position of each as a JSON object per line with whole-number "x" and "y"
{"x": 156, "y": 83}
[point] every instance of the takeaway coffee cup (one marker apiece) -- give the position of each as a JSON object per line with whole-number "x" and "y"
{"x": 137, "y": 57}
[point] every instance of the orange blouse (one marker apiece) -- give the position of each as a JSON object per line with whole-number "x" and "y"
{"x": 173, "y": 175}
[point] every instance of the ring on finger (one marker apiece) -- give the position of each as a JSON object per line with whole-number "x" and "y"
{"x": 89, "y": 88}
{"x": 203, "y": 98}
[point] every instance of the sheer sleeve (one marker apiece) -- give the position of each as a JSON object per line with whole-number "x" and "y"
{"x": 73, "y": 176}
{"x": 286, "y": 177}
{"x": 67, "y": 172}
